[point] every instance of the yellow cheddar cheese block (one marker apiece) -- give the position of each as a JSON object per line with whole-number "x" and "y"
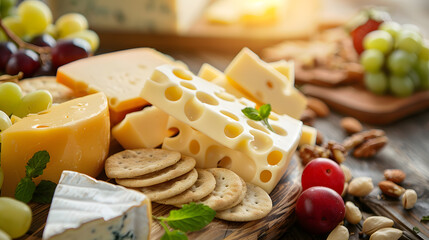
{"x": 263, "y": 82}
{"x": 308, "y": 136}
{"x": 120, "y": 75}
{"x": 287, "y": 68}
{"x": 209, "y": 73}
{"x": 209, "y": 109}
{"x": 143, "y": 129}
{"x": 76, "y": 134}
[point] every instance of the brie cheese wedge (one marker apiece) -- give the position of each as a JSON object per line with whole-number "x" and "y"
{"x": 85, "y": 208}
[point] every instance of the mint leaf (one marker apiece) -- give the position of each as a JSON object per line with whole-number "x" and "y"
{"x": 25, "y": 189}
{"x": 425, "y": 218}
{"x": 44, "y": 192}
{"x": 36, "y": 164}
{"x": 251, "y": 113}
{"x": 265, "y": 110}
{"x": 416, "y": 230}
{"x": 191, "y": 217}
{"x": 174, "y": 235}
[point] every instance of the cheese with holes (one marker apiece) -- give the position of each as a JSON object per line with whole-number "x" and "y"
{"x": 143, "y": 129}
{"x": 76, "y": 135}
{"x": 160, "y": 16}
{"x": 308, "y": 136}
{"x": 120, "y": 75}
{"x": 207, "y": 108}
{"x": 84, "y": 207}
{"x": 265, "y": 83}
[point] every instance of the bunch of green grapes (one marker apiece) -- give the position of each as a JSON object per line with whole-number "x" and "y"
{"x": 32, "y": 21}
{"x": 15, "y": 218}
{"x": 396, "y": 60}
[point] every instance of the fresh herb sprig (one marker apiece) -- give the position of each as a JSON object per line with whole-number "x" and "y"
{"x": 260, "y": 114}
{"x": 424, "y": 218}
{"x": 191, "y": 217}
{"x": 416, "y": 230}
{"x": 26, "y": 190}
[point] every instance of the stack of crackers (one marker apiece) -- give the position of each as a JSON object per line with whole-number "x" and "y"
{"x": 167, "y": 177}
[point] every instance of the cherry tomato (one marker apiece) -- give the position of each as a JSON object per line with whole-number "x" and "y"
{"x": 319, "y": 209}
{"x": 323, "y": 172}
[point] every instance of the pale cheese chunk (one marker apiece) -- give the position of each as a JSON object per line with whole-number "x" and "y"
{"x": 217, "y": 114}
{"x": 83, "y": 207}
{"x": 76, "y": 134}
{"x": 143, "y": 129}
{"x": 308, "y": 136}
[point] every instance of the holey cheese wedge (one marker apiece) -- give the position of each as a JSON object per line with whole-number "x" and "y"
{"x": 84, "y": 208}
{"x": 76, "y": 134}
{"x": 217, "y": 114}
{"x": 120, "y": 75}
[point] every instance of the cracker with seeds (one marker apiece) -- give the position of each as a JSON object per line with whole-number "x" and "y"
{"x": 184, "y": 165}
{"x": 228, "y": 189}
{"x": 59, "y": 92}
{"x": 138, "y": 162}
{"x": 240, "y": 199}
{"x": 170, "y": 188}
{"x": 255, "y": 205}
{"x": 204, "y": 185}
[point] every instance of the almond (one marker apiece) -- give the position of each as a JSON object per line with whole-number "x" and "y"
{"x": 351, "y": 125}
{"x": 319, "y": 107}
{"x": 391, "y": 189}
{"x": 409, "y": 198}
{"x": 394, "y": 175}
{"x": 375, "y": 223}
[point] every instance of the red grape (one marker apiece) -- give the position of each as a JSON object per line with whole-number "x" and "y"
{"x": 6, "y": 50}
{"x": 319, "y": 209}
{"x": 44, "y": 40}
{"x": 323, "y": 172}
{"x": 69, "y": 50}
{"x": 25, "y": 61}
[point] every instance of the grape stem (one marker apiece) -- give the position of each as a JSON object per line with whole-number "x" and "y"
{"x": 42, "y": 51}
{"x": 13, "y": 78}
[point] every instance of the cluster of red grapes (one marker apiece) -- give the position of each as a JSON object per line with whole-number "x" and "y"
{"x": 30, "y": 43}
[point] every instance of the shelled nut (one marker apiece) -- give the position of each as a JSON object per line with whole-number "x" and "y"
{"x": 351, "y": 125}
{"x": 318, "y": 106}
{"x": 308, "y": 117}
{"x": 346, "y": 186}
{"x": 347, "y": 173}
{"x": 339, "y": 233}
{"x": 375, "y": 223}
{"x": 386, "y": 234}
{"x": 319, "y": 138}
{"x": 360, "y": 186}
{"x": 353, "y": 214}
{"x": 359, "y": 138}
{"x": 409, "y": 198}
{"x": 391, "y": 189}
{"x": 310, "y": 152}
{"x": 394, "y": 175}
{"x": 337, "y": 151}
{"x": 370, "y": 147}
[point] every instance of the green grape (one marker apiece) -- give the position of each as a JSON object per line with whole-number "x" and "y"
{"x": 6, "y": 7}
{"x": 409, "y": 41}
{"x": 88, "y": 35}
{"x": 391, "y": 27}
{"x": 10, "y": 97}
{"x": 422, "y": 69}
{"x": 35, "y": 16}
{"x": 3, "y": 37}
{"x": 372, "y": 60}
{"x": 15, "y": 217}
{"x": 380, "y": 40}
{"x": 14, "y": 24}
{"x": 70, "y": 23}
{"x": 5, "y": 122}
{"x": 1, "y": 178}
{"x": 4, "y": 235}
{"x": 376, "y": 82}
{"x": 34, "y": 102}
{"x": 51, "y": 30}
{"x": 411, "y": 27}
{"x": 414, "y": 76}
{"x": 400, "y": 62}
{"x": 401, "y": 86}
{"x": 424, "y": 51}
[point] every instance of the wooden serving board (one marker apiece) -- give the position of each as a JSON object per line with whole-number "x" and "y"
{"x": 281, "y": 217}
{"x": 368, "y": 107}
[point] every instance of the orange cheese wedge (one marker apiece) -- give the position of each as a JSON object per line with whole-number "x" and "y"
{"x": 76, "y": 134}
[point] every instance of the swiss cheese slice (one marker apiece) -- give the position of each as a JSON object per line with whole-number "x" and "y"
{"x": 76, "y": 134}
{"x": 120, "y": 75}
{"x": 84, "y": 208}
{"x": 210, "y": 110}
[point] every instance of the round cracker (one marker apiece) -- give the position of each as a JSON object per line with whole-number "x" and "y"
{"x": 59, "y": 92}
{"x": 228, "y": 189}
{"x": 171, "y": 188}
{"x": 240, "y": 199}
{"x": 255, "y": 205}
{"x": 138, "y": 162}
{"x": 181, "y": 167}
{"x": 204, "y": 185}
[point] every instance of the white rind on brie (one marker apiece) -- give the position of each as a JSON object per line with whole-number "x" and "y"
{"x": 84, "y": 207}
